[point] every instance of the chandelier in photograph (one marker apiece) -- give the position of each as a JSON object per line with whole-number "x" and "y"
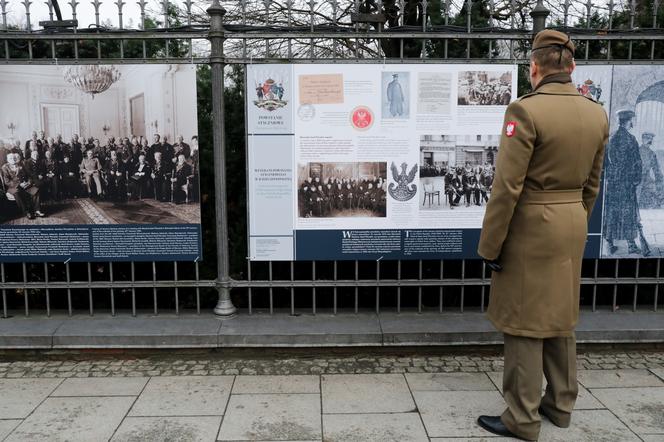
{"x": 92, "y": 79}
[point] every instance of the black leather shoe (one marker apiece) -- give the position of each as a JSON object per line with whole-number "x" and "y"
{"x": 494, "y": 425}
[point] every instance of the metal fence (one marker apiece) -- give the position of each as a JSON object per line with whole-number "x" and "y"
{"x": 267, "y": 31}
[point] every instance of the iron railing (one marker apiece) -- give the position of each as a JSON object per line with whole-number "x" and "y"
{"x": 267, "y": 31}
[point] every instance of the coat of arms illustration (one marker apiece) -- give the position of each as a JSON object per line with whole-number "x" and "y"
{"x": 403, "y": 190}
{"x": 591, "y": 90}
{"x": 270, "y": 95}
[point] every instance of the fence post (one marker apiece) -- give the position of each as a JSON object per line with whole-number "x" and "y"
{"x": 539, "y": 15}
{"x": 216, "y": 36}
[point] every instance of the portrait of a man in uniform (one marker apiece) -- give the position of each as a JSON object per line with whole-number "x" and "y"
{"x": 623, "y": 176}
{"x": 651, "y": 189}
{"x": 395, "y": 95}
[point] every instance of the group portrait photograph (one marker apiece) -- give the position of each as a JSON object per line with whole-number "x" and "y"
{"x": 99, "y": 144}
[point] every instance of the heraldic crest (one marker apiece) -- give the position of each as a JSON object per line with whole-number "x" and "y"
{"x": 270, "y": 95}
{"x": 403, "y": 190}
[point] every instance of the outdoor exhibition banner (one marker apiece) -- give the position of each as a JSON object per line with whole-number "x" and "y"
{"x": 397, "y": 162}
{"x": 372, "y": 161}
{"x": 99, "y": 163}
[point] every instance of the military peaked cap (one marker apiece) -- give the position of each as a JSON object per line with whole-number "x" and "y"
{"x": 625, "y": 114}
{"x": 549, "y": 38}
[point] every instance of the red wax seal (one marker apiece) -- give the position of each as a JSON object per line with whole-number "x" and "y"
{"x": 510, "y": 128}
{"x": 361, "y": 118}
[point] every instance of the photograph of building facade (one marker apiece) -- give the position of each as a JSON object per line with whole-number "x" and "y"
{"x": 439, "y": 151}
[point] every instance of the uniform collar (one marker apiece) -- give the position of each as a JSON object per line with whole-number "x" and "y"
{"x": 557, "y": 89}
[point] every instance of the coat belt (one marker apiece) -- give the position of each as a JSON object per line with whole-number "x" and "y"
{"x": 529, "y": 196}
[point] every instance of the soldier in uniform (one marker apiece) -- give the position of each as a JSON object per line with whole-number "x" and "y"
{"x": 623, "y": 175}
{"x": 534, "y": 233}
{"x": 650, "y": 190}
{"x": 91, "y": 170}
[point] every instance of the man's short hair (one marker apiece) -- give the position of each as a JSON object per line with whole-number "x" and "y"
{"x": 553, "y": 51}
{"x": 550, "y": 60}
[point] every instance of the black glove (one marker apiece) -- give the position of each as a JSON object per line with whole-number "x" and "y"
{"x": 493, "y": 265}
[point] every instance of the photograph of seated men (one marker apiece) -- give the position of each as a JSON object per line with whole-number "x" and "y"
{"x": 332, "y": 190}
{"x": 124, "y": 180}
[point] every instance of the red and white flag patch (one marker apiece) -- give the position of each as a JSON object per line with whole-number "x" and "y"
{"x": 510, "y": 128}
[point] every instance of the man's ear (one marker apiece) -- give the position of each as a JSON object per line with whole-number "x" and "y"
{"x": 534, "y": 69}
{"x": 571, "y": 69}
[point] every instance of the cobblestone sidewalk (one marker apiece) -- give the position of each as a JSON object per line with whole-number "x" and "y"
{"x": 125, "y": 366}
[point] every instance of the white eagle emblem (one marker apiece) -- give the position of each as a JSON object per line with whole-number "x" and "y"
{"x": 403, "y": 190}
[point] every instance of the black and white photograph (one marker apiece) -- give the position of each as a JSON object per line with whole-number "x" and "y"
{"x": 395, "y": 95}
{"x": 99, "y": 144}
{"x": 456, "y": 171}
{"x": 484, "y": 88}
{"x": 334, "y": 190}
{"x": 633, "y": 216}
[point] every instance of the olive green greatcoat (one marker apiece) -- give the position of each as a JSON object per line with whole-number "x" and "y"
{"x": 547, "y": 178}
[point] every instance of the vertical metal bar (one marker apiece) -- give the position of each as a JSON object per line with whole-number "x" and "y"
{"x": 614, "y": 305}
{"x": 469, "y": 25}
{"x": 512, "y": 25}
{"x": 463, "y": 281}
{"x": 154, "y": 288}
{"x": 120, "y": 4}
{"x": 3, "y": 6}
{"x": 4, "y": 290}
{"x": 249, "y": 290}
{"x": 440, "y": 289}
{"x": 447, "y": 20}
{"x": 292, "y": 289}
{"x": 166, "y": 25}
{"x": 289, "y": 8}
{"x": 589, "y": 6}
{"x": 97, "y": 4}
{"x": 378, "y": 287}
{"x": 133, "y": 290}
{"x": 198, "y": 289}
{"x": 142, "y": 4}
{"x": 177, "y": 290}
{"x": 313, "y": 289}
{"x": 90, "y": 300}
{"x": 312, "y": 3}
{"x": 655, "y": 11}
{"x": 419, "y": 289}
{"x": 25, "y": 290}
{"x": 216, "y": 36}
{"x": 491, "y": 13}
{"x": 608, "y": 50}
{"x": 48, "y": 292}
{"x": 68, "y": 276}
{"x": 483, "y": 286}
{"x": 636, "y": 286}
{"x": 334, "y": 309}
{"x": 110, "y": 272}
{"x": 425, "y": 5}
{"x": 357, "y": 273}
{"x": 399, "y": 286}
{"x": 270, "y": 279}
{"x": 595, "y": 286}
{"x": 632, "y": 14}
{"x": 659, "y": 263}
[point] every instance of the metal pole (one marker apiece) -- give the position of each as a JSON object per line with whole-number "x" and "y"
{"x": 216, "y": 36}
{"x": 539, "y": 15}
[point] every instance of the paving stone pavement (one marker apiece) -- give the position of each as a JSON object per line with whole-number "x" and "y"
{"x": 350, "y": 398}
